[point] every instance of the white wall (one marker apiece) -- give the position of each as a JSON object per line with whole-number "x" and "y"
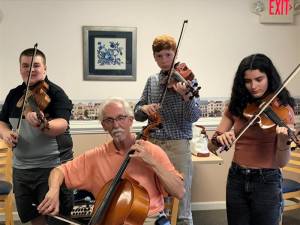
{"x": 219, "y": 35}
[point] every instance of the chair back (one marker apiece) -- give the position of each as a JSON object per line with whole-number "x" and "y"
{"x": 294, "y": 163}
{"x": 5, "y": 162}
{"x": 291, "y": 187}
{"x": 6, "y": 196}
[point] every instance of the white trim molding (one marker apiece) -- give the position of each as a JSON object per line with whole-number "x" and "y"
{"x": 216, "y": 205}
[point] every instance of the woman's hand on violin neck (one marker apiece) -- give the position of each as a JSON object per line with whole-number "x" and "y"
{"x": 226, "y": 139}
{"x": 282, "y": 138}
{"x": 50, "y": 204}
{"x": 150, "y": 109}
{"x": 283, "y": 149}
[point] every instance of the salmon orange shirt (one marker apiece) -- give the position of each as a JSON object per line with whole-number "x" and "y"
{"x": 93, "y": 169}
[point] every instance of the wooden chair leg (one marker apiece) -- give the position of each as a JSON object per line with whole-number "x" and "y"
{"x": 9, "y": 220}
{"x": 175, "y": 205}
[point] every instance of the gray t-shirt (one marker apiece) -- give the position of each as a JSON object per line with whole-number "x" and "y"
{"x": 42, "y": 153}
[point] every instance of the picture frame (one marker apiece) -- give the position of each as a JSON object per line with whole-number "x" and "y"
{"x": 109, "y": 53}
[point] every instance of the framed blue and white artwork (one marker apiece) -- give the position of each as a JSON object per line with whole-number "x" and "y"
{"x": 109, "y": 53}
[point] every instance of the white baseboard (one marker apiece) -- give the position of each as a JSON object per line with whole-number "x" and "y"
{"x": 208, "y": 205}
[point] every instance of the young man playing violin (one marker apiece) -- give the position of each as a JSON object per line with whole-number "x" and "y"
{"x": 254, "y": 183}
{"x": 37, "y": 148}
{"x": 149, "y": 165}
{"x": 177, "y": 113}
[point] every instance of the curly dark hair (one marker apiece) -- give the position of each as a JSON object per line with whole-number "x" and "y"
{"x": 240, "y": 96}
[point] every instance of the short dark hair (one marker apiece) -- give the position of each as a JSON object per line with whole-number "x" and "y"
{"x": 30, "y": 51}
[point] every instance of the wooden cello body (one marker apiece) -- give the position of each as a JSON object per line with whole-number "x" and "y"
{"x": 130, "y": 204}
{"x": 121, "y": 201}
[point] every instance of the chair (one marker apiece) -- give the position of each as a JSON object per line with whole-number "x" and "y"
{"x": 6, "y": 196}
{"x": 291, "y": 188}
{"x": 171, "y": 209}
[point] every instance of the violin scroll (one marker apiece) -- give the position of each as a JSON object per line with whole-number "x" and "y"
{"x": 295, "y": 145}
{"x": 184, "y": 71}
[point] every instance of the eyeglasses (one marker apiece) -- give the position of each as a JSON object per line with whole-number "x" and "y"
{"x": 110, "y": 121}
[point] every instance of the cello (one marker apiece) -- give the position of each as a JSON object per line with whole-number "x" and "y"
{"x": 121, "y": 201}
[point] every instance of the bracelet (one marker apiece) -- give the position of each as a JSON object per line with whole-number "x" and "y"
{"x": 214, "y": 139}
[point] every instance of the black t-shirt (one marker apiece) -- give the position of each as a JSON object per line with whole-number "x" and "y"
{"x": 60, "y": 106}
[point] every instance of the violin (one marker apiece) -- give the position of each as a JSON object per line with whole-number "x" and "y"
{"x": 37, "y": 101}
{"x": 40, "y": 96}
{"x": 273, "y": 115}
{"x": 183, "y": 74}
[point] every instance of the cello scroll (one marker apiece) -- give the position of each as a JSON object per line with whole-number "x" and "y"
{"x": 154, "y": 123}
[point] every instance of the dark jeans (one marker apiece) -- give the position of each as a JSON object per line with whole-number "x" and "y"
{"x": 30, "y": 187}
{"x": 253, "y": 196}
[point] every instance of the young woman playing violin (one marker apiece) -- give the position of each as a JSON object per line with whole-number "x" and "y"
{"x": 36, "y": 149}
{"x": 253, "y": 193}
{"x": 177, "y": 113}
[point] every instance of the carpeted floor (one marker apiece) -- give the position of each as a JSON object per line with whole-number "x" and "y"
{"x": 218, "y": 217}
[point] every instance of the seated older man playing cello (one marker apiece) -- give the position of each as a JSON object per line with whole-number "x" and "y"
{"x": 149, "y": 165}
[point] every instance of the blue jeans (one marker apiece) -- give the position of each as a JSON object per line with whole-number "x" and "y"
{"x": 253, "y": 196}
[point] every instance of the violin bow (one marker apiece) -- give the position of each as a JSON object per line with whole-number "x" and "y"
{"x": 27, "y": 88}
{"x": 265, "y": 105}
{"x": 173, "y": 62}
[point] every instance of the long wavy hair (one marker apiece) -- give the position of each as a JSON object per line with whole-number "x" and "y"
{"x": 240, "y": 96}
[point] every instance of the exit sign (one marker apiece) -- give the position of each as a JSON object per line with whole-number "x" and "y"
{"x": 277, "y": 11}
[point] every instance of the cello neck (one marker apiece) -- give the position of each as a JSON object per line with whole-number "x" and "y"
{"x": 102, "y": 209}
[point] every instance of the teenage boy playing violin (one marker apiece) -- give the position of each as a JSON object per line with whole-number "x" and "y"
{"x": 254, "y": 193}
{"x": 36, "y": 150}
{"x": 177, "y": 113}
